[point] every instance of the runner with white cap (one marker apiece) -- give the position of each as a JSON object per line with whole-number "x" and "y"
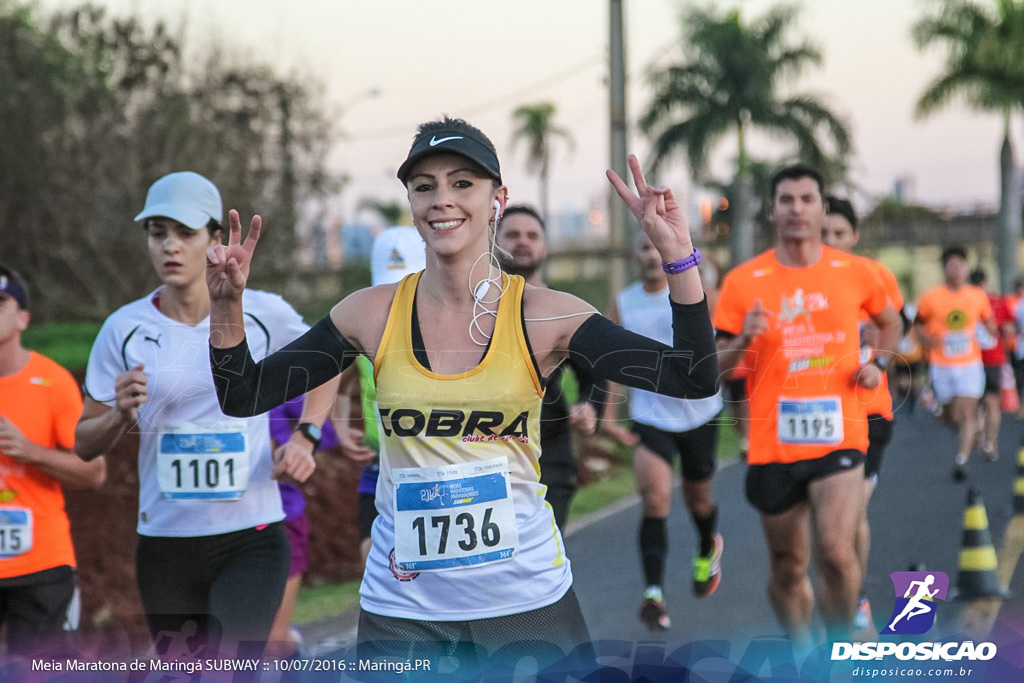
{"x": 212, "y": 551}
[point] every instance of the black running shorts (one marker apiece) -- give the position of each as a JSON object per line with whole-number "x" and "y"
{"x": 696, "y": 447}
{"x": 776, "y": 487}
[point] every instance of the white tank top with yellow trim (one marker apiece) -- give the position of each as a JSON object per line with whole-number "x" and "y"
{"x": 463, "y": 531}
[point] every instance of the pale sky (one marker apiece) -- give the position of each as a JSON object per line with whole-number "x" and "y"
{"x": 479, "y": 59}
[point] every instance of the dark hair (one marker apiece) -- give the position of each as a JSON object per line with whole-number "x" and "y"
{"x": 977, "y": 277}
{"x": 17, "y": 289}
{"x": 842, "y": 207}
{"x": 796, "y": 172}
{"x": 468, "y": 141}
{"x": 523, "y": 210}
{"x": 953, "y": 251}
{"x": 457, "y": 125}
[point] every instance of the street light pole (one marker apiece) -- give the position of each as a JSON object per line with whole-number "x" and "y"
{"x": 618, "y": 214}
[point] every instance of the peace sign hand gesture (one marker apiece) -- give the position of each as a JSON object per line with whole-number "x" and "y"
{"x": 657, "y": 211}
{"x": 227, "y": 266}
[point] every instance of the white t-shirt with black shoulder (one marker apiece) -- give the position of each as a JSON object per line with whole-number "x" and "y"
{"x": 649, "y": 314}
{"x": 200, "y": 472}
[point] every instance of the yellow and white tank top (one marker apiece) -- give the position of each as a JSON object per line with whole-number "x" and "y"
{"x": 464, "y": 531}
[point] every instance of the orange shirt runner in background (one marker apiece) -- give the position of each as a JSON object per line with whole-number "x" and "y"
{"x": 44, "y": 402}
{"x": 803, "y": 370}
{"x": 950, "y": 318}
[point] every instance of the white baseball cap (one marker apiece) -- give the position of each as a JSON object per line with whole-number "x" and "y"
{"x": 186, "y": 197}
{"x": 397, "y": 252}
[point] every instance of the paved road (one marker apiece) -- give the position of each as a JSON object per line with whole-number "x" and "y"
{"x": 916, "y": 518}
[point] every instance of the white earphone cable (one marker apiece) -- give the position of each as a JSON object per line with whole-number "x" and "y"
{"x": 501, "y": 284}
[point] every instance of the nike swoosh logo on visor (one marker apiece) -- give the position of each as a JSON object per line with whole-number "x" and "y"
{"x": 434, "y": 141}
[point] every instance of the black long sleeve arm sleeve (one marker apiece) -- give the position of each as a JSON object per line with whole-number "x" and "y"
{"x": 246, "y": 388}
{"x": 687, "y": 369}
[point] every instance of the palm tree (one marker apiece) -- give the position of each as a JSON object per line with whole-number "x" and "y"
{"x": 727, "y": 85}
{"x": 535, "y": 127}
{"x": 985, "y": 67}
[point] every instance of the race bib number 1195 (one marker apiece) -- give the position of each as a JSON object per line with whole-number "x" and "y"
{"x": 811, "y": 421}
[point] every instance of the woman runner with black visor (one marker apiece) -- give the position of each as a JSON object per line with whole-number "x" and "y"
{"x": 465, "y": 549}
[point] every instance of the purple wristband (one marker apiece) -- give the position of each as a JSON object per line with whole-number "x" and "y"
{"x": 682, "y": 264}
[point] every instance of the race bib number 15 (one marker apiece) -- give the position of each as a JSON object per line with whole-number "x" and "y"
{"x": 15, "y": 532}
{"x": 454, "y": 516}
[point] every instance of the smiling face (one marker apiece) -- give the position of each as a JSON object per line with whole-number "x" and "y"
{"x": 452, "y": 202}
{"x": 178, "y": 252}
{"x": 798, "y": 210}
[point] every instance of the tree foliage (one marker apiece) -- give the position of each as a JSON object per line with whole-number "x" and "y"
{"x": 536, "y": 128}
{"x": 984, "y": 67}
{"x": 729, "y": 82}
{"x": 984, "y": 63}
{"x": 96, "y": 108}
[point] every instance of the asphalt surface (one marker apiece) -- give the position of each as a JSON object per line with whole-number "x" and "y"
{"x": 917, "y": 521}
{"x": 916, "y": 517}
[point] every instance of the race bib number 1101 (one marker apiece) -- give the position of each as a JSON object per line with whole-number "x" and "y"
{"x": 202, "y": 466}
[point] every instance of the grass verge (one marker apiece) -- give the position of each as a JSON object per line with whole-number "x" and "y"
{"x": 66, "y": 343}
{"x": 316, "y": 603}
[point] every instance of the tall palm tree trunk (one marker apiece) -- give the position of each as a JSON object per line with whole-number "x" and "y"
{"x": 1009, "y": 236}
{"x": 742, "y": 244}
{"x": 544, "y": 191}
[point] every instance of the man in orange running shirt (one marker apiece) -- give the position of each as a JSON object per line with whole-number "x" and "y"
{"x": 39, "y": 406}
{"x": 792, "y": 315}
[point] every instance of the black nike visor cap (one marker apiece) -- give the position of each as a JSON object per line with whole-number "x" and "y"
{"x": 452, "y": 141}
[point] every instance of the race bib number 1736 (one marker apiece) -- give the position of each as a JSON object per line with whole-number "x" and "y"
{"x": 454, "y": 516}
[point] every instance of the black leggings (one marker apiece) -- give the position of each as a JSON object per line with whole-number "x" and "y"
{"x": 207, "y": 593}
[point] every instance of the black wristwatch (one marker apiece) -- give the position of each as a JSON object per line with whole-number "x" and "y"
{"x": 312, "y": 433}
{"x": 881, "y": 363}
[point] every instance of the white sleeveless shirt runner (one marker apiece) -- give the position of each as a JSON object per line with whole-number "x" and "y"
{"x": 650, "y": 314}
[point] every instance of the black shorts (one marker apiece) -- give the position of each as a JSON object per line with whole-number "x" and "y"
{"x": 547, "y": 633}
{"x": 777, "y": 487}
{"x": 208, "y": 589}
{"x": 696, "y": 447}
{"x": 34, "y": 607}
{"x": 879, "y": 436}
{"x": 993, "y": 379}
{"x": 366, "y": 513}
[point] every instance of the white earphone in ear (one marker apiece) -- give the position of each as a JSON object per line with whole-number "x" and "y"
{"x": 497, "y": 209}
